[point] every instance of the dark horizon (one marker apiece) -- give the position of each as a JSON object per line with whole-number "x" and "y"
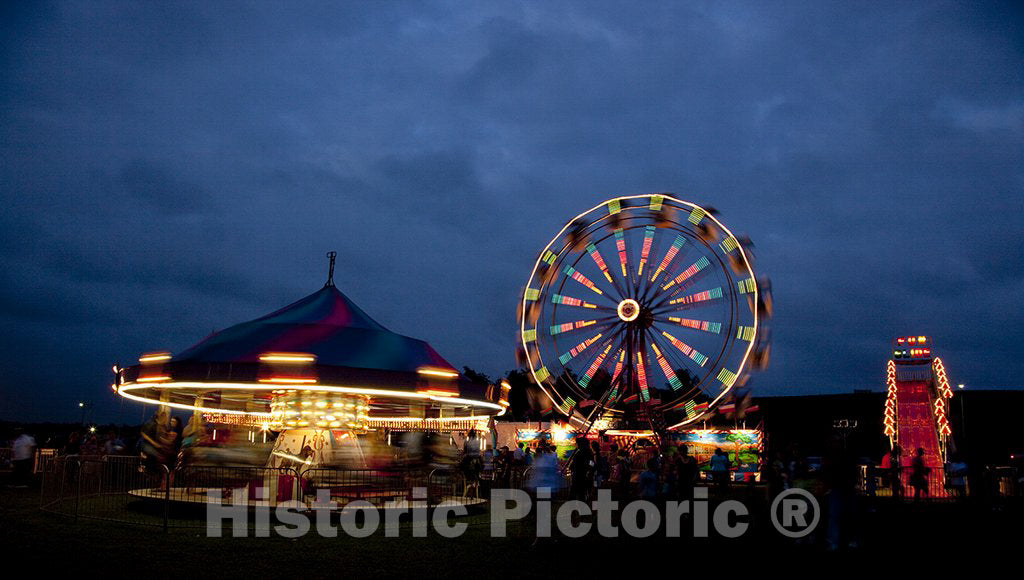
{"x": 171, "y": 171}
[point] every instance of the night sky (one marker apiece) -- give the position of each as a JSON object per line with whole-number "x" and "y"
{"x": 171, "y": 169}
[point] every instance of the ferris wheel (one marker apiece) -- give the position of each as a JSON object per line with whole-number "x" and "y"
{"x": 644, "y": 308}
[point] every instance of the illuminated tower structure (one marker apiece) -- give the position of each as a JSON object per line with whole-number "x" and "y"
{"x": 917, "y": 407}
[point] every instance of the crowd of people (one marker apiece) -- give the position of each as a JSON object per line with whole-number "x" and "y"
{"x": 670, "y": 473}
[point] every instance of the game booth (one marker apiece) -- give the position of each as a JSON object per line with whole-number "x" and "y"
{"x": 744, "y": 447}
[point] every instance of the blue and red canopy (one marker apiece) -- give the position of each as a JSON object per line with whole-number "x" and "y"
{"x": 326, "y": 324}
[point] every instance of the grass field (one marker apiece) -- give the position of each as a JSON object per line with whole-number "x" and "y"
{"x": 55, "y": 544}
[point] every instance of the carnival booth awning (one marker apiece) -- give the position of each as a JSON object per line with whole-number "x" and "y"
{"x": 320, "y": 352}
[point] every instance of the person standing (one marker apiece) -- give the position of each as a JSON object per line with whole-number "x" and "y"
{"x": 581, "y": 466}
{"x": 649, "y": 481}
{"x": 720, "y": 468}
{"x": 919, "y": 475}
{"x": 23, "y": 453}
{"x": 545, "y": 472}
{"x": 519, "y": 457}
{"x": 601, "y": 467}
{"x": 472, "y": 463}
{"x": 502, "y": 468}
{"x": 896, "y": 471}
{"x": 686, "y": 470}
{"x": 623, "y": 476}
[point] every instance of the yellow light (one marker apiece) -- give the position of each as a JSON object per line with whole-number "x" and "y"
{"x": 287, "y": 357}
{"x": 306, "y": 461}
{"x": 152, "y": 379}
{"x": 288, "y": 380}
{"x": 438, "y": 393}
{"x": 151, "y": 357}
{"x": 628, "y": 310}
{"x": 208, "y": 386}
{"x": 435, "y": 372}
{"x": 425, "y": 419}
{"x": 123, "y": 392}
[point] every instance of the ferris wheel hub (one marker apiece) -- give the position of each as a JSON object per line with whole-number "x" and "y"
{"x": 628, "y": 310}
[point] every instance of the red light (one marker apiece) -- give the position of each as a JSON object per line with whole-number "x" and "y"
{"x": 900, "y": 340}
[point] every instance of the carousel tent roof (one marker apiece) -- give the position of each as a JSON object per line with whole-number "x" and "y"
{"x": 326, "y": 324}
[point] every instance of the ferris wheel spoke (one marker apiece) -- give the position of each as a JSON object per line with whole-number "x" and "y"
{"x": 645, "y": 250}
{"x": 582, "y": 279}
{"x": 620, "y": 363}
{"x": 702, "y": 325}
{"x": 671, "y": 354}
{"x": 597, "y": 323}
{"x": 641, "y": 374}
{"x": 697, "y": 266}
{"x": 572, "y": 301}
{"x": 620, "y": 246}
{"x": 644, "y": 284}
{"x": 693, "y": 354}
{"x": 588, "y": 375}
{"x": 693, "y": 300}
{"x": 670, "y": 254}
{"x": 595, "y": 255}
{"x": 578, "y": 349}
{"x": 666, "y": 369}
{"x": 675, "y": 358}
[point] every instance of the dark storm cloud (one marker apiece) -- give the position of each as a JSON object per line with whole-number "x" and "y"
{"x": 169, "y": 170}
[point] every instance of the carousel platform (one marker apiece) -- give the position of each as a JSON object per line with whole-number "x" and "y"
{"x": 378, "y": 499}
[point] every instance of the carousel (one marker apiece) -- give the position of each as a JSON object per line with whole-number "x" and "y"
{"x": 317, "y": 383}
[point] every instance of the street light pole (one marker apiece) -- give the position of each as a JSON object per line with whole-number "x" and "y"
{"x": 83, "y": 405}
{"x": 963, "y": 419}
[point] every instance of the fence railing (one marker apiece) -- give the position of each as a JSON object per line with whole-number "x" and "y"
{"x": 42, "y": 457}
{"x": 127, "y": 489}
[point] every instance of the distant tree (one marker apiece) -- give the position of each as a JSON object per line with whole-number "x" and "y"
{"x": 475, "y": 377}
{"x": 518, "y": 396}
{"x": 688, "y": 380}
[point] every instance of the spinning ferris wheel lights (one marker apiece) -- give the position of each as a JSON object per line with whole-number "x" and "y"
{"x": 672, "y": 257}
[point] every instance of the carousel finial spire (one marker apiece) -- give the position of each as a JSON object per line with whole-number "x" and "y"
{"x": 330, "y": 274}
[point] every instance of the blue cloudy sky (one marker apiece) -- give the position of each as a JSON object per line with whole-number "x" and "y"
{"x": 170, "y": 169}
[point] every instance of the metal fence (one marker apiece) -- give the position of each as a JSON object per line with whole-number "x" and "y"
{"x": 42, "y": 457}
{"x": 126, "y": 489}
{"x": 881, "y": 483}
